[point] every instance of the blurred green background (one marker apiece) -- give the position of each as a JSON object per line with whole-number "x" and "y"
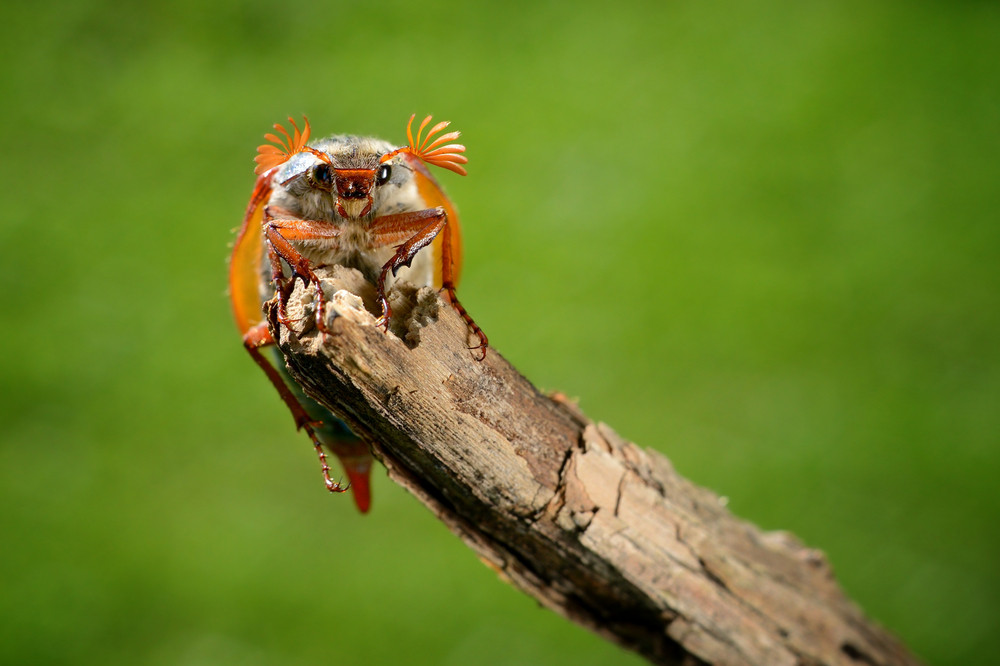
{"x": 790, "y": 212}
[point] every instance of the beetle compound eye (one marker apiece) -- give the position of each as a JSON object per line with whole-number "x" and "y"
{"x": 383, "y": 174}
{"x": 322, "y": 176}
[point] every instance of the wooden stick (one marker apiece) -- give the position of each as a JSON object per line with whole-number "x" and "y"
{"x": 592, "y": 526}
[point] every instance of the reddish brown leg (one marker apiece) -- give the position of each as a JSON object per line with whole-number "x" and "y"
{"x": 279, "y": 234}
{"x": 419, "y": 229}
{"x": 448, "y": 284}
{"x": 257, "y": 337}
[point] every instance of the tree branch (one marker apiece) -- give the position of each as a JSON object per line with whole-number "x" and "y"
{"x": 593, "y": 527}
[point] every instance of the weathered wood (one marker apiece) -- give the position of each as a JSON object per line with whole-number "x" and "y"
{"x": 593, "y": 527}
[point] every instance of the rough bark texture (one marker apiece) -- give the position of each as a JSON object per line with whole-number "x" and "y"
{"x": 593, "y": 527}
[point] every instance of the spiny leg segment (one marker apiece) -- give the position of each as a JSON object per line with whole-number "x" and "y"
{"x": 417, "y": 230}
{"x": 258, "y": 337}
{"x": 279, "y": 233}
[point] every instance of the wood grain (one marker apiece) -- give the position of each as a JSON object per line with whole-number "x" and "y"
{"x": 594, "y": 527}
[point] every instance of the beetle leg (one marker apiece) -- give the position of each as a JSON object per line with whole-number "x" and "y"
{"x": 282, "y": 285}
{"x": 410, "y": 232}
{"x": 279, "y": 235}
{"x": 415, "y": 231}
{"x": 257, "y": 337}
{"x": 448, "y": 284}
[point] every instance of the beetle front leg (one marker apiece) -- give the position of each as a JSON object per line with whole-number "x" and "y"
{"x": 417, "y": 230}
{"x": 279, "y": 235}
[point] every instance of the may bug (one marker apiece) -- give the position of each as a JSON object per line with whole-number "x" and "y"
{"x": 354, "y": 201}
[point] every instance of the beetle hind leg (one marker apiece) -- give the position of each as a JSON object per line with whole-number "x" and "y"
{"x": 259, "y": 336}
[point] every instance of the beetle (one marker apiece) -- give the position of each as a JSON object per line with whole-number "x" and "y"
{"x": 355, "y": 201}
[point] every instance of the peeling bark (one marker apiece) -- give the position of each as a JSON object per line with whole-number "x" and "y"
{"x": 592, "y": 526}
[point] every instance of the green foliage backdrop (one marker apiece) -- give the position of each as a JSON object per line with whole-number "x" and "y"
{"x": 788, "y": 211}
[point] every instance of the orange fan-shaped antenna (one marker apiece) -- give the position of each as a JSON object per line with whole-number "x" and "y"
{"x": 271, "y": 156}
{"x": 431, "y": 151}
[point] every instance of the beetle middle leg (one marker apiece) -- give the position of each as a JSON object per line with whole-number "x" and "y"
{"x": 448, "y": 284}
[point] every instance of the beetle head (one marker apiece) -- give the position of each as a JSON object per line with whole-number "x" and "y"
{"x": 348, "y": 169}
{"x": 350, "y": 187}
